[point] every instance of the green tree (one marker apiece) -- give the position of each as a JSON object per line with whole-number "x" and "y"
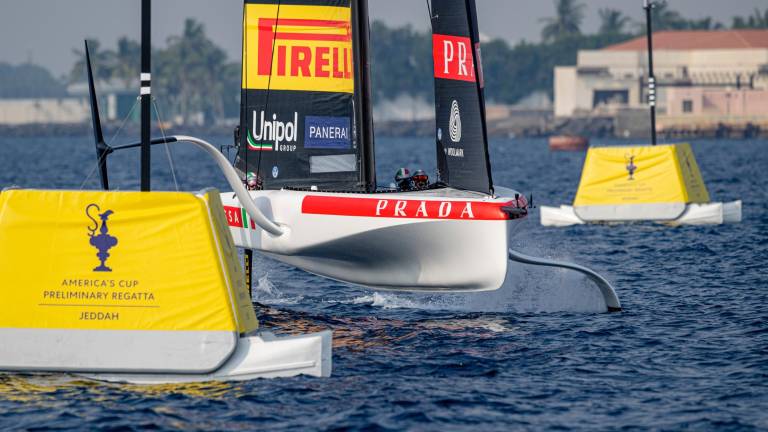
{"x": 400, "y": 61}
{"x": 758, "y": 20}
{"x": 665, "y": 18}
{"x": 189, "y": 73}
{"x": 28, "y": 81}
{"x": 126, "y": 61}
{"x": 101, "y": 59}
{"x": 566, "y": 22}
{"x": 612, "y": 21}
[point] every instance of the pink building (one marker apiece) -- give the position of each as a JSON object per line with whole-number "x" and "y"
{"x": 710, "y": 75}
{"x": 717, "y": 102}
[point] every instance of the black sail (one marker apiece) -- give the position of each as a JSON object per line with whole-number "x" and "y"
{"x": 462, "y": 142}
{"x": 302, "y": 123}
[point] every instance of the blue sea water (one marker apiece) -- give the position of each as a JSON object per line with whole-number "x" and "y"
{"x": 689, "y": 352}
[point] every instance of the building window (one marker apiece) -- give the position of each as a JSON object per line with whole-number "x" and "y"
{"x": 687, "y": 106}
{"x": 610, "y": 97}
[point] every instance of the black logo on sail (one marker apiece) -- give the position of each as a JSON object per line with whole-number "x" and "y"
{"x": 103, "y": 242}
{"x": 631, "y": 167}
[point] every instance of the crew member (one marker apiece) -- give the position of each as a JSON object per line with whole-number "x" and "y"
{"x": 403, "y": 180}
{"x": 420, "y": 180}
{"x": 253, "y": 182}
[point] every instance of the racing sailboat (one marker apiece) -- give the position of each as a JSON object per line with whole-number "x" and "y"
{"x": 306, "y": 151}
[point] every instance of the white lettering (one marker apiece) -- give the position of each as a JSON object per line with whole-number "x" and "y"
{"x": 381, "y": 205}
{"x": 448, "y": 51}
{"x": 275, "y": 131}
{"x": 422, "y": 209}
{"x": 463, "y": 59}
{"x": 467, "y": 211}
{"x": 328, "y": 132}
{"x": 445, "y": 209}
{"x": 400, "y": 207}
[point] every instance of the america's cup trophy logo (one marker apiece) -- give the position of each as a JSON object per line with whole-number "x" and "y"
{"x": 103, "y": 241}
{"x": 631, "y": 167}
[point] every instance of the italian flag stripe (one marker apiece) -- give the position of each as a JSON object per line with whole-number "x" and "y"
{"x": 244, "y": 216}
{"x": 253, "y": 145}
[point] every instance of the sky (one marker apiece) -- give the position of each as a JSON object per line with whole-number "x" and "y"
{"x": 45, "y": 32}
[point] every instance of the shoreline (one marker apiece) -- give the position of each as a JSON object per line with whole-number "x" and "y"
{"x": 509, "y": 127}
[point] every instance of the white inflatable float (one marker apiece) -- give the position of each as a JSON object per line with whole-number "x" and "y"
{"x": 142, "y": 287}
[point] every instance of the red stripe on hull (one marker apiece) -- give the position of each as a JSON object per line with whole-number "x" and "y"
{"x": 404, "y": 209}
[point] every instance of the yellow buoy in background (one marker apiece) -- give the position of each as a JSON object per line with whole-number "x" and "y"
{"x": 642, "y": 183}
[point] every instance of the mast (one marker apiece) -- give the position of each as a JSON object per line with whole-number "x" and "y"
{"x": 648, "y": 6}
{"x": 146, "y": 92}
{"x": 474, "y": 33}
{"x": 363, "y": 100}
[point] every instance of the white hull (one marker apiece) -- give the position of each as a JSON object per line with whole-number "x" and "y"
{"x": 694, "y": 214}
{"x": 260, "y": 356}
{"x": 439, "y": 240}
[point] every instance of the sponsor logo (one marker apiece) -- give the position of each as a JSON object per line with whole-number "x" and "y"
{"x": 406, "y": 209}
{"x": 103, "y": 242}
{"x": 454, "y": 152}
{"x": 631, "y": 167}
{"x": 271, "y": 134}
{"x": 424, "y": 209}
{"x": 275, "y": 171}
{"x": 453, "y": 58}
{"x": 238, "y": 218}
{"x": 454, "y": 125}
{"x": 298, "y": 51}
{"x": 327, "y": 132}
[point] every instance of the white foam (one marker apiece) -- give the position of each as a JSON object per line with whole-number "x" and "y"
{"x": 266, "y": 292}
{"x": 526, "y": 290}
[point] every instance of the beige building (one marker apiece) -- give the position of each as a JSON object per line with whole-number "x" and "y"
{"x": 48, "y": 111}
{"x": 709, "y": 75}
{"x": 115, "y": 102}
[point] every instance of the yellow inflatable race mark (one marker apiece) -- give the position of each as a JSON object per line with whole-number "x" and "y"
{"x": 119, "y": 261}
{"x": 241, "y": 295}
{"x": 640, "y": 175}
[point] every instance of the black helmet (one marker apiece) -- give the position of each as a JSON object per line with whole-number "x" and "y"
{"x": 420, "y": 179}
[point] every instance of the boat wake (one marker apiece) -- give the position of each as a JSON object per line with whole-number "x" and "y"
{"x": 264, "y": 291}
{"x": 526, "y": 290}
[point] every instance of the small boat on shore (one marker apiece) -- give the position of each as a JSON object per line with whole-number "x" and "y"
{"x": 568, "y": 143}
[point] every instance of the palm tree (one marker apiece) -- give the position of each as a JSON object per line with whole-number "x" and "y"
{"x": 190, "y": 72}
{"x": 102, "y": 60}
{"x": 567, "y": 22}
{"x": 758, "y": 20}
{"x": 612, "y": 21}
{"x": 126, "y": 59}
{"x": 665, "y": 18}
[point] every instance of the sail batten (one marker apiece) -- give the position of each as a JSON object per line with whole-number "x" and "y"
{"x": 299, "y": 95}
